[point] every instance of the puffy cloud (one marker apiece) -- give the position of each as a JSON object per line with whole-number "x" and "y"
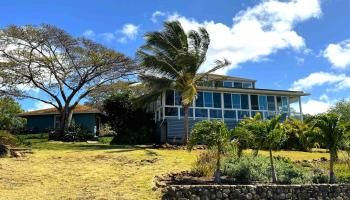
{"x": 315, "y": 106}
{"x": 338, "y": 54}
{"x": 256, "y": 32}
{"x": 339, "y": 81}
{"x": 157, "y": 14}
{"x": 89, "y": 33}
{"x": 130, "y": 31}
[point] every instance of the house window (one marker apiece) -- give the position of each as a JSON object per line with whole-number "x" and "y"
{"x": 178, "y": 98}
{"x": 238, "y": 84}
{"x": 190, "y": 112}
{"x": 170, "y": 111}
{"x": 201, "y": 112}
{"x": 57, "y": 121}
{"x": 169, "y": 97}
{"x": 247, "y": 85}
{"x": 271, "y": 103}
{"x": 244, "y": 101}
{"x": 243, "y": 114}
{"x": 254, "y": 102}
{"x": 228, "y": 84}
{"x": 208, "y": 99}
{"x": 227, "y": 100}
{"x": 236, "y": 101}
{"x": 262, "y": 103}
{"x": 215, "y": 113}
{"x": 230, "y": 114}
{"x": 285, "y": 104}
{"x": 217, "y": 100}
{"x": 218, "y": 83}
{"x": 199, "y": 100}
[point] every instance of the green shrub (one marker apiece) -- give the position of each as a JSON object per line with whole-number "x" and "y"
{"x": 105, "y": 140}
{"x": 205, "y": 164}
{"x": 250, "y": 169}
{"x": 77, "y": 133}
{"x": 247, "y": 169}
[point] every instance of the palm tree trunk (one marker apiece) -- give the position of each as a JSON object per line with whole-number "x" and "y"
{"x": 217, "y": 174}
{"x": 331, "y": 167}
{"x": 273, "y": 171}
{"x": 185, "y": 136}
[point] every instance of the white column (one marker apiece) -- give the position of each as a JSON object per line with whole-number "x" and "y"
{"x": 276, "y": 106}
{"x": 194, "y": 109}
{"x": 300, "y": 109}
{"x": 163, "y": 103}
{"x": 250, "y": 106}
{"x": 222, "y": 106}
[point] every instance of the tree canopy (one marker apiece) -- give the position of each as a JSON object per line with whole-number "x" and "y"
{"x": 63, "y": 68}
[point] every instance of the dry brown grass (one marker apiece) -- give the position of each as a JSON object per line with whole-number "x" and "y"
{"x": 111, "y": 173}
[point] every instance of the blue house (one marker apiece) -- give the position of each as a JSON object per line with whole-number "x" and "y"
{"x": 44, "y": 120}
{"x": 226, "y": 98}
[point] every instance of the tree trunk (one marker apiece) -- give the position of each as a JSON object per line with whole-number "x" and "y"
{"x": 331, "y": 166}
{"x": 185, "y": 136}
{"x": 65, "y": 121}
{"x": 217, "y": 175}
{"x": 273, "y": 171}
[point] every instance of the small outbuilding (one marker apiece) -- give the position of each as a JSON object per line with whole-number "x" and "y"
{"x": 45, "y": 120}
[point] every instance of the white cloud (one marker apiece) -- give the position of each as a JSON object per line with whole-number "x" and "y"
{"x": 157, "y": 14}
{"x": 338, "y": 54}
{"x": 108, "y": 36}
{"x": 321, "y": 78}
{"x": 89, "y": 33}
{"x": 315, "y": 107}
{"x": 256, "y": 32}
{"x": 41, "y": 105}
{"x": 130, "y": 31}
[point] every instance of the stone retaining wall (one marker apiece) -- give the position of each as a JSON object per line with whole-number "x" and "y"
{"x": 207, "y": 192}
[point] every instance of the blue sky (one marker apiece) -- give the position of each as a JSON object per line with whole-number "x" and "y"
{"x": 289, "y": 44}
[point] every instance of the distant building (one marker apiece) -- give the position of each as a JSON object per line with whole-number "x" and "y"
{"x": 223, "y": 97}
{"x": 45, "y": 120}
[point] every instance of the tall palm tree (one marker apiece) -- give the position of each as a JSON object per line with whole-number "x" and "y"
{"x": 171, "y": 59}
{"x": 268, "y": 133}
{"x": 332, "y": 134}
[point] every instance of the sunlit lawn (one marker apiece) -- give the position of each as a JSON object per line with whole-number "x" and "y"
{"x": 96, "y": 171}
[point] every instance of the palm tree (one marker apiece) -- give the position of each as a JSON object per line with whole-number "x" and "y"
{"x": 269, "y": 134}
{"x": 171, "y": 59}
{"x": 215, "y": 135}
{"x": 332, "y": 134}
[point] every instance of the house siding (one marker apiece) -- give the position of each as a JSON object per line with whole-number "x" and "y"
{"x": 175, "y": 128}
{"x": 45, "y": 123}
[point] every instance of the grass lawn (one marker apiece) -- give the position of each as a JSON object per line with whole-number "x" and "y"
{"x": 95, "y": 171}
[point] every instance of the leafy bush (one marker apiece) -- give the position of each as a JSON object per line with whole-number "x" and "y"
{"x": 205, "y": 164}
{"x": 105, "y": 139}
{"x": 77, "y": 133}
{"x": 250, "y": 169}
{"x": 131, "y": 124}
{"x": 8, "y": 140}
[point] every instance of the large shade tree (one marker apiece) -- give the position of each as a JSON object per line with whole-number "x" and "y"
{"x": 64, "y": 68}
{"x": 171, "y": 59}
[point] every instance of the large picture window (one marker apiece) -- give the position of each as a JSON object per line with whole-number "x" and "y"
{"x": 244, "y": 101}
{"x": 271, "y": 103}
{"x": 227, "y": 100}
{"x": 215, "y": 113}
{"x": 254, "y": 102}
{"x": 230, "y": 114}
{"x": 217, "y": 100}
{"x": 178, "y": 98}
{"x": 262, "y": 103}
{"x": 236, "y": 101}
{"x": 238, "y": 84}
{"x": 228, "y": 84}
{"x": 201, "y": 112}
{"x": 199, "y": 100}
{"x": 171, "y": 111}
{"x": 285, "y": 104}
{"x": 208, "y": 99}
{"x": 169, "y": 97}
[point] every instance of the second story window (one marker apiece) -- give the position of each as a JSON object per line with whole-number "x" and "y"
{"x": 228, "y": 84}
